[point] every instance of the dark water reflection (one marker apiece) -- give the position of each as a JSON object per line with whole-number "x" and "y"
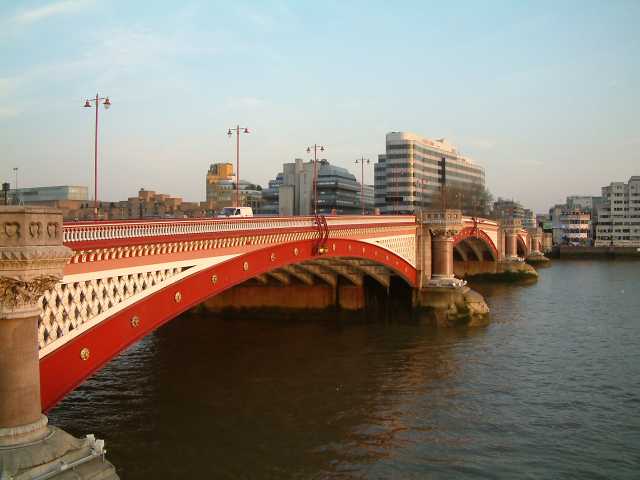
{"x": 550, "y": 390}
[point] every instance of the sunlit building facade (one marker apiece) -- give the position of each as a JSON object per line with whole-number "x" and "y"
{"x": 408, "y": 175}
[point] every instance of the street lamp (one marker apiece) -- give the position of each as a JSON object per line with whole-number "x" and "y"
{"x": 107, "y": 103}
{"x": 420, "y": 186}
{"x": 16, "y": 196}
{"x": 362, "y": 161}
{"x": 230, "y": 133}
{"x": 315, "y": 174}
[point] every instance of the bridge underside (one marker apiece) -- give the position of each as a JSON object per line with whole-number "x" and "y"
{"x": 315, "y": 284}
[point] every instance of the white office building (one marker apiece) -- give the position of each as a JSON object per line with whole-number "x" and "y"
{"x": 619, "y": 215}
{"x": 408, "y": 175}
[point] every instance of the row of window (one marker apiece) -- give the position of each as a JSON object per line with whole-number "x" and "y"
{"x": 420, "y": 159}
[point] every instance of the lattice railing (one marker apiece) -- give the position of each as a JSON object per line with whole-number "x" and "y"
{"x": 70, "y": 305}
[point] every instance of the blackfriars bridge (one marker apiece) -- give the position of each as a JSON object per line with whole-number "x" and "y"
{"x": 74, "y": 295}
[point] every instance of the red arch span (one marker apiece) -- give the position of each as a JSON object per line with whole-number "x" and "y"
{"x": 64, "y": 369}
{"x": 472, "y": 232}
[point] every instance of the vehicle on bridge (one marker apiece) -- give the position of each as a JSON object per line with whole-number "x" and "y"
{"x": 227, "y": 212}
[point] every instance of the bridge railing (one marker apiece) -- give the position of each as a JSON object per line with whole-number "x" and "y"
{"x": 106, "y": 230}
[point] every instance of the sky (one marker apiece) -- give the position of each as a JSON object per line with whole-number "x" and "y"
{"x": 544, "y": 95}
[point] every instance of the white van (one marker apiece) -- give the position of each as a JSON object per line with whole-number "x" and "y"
{"x": 236, "y": 212}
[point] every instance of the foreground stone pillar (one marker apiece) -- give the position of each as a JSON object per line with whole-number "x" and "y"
{"x": 32, "y": 259}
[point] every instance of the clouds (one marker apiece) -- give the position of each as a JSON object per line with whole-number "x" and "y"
{"x": 33, "y": 15}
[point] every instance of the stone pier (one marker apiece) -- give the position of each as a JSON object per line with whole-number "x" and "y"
{"x": 536, "y": 256}
{"x": 32, "y": 259}
{"x": 440, "y": 295}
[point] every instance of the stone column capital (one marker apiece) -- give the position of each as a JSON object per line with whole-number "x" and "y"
{"x": 442, "y": 223}
{"x": 32, "y": 258}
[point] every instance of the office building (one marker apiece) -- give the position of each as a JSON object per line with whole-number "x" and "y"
{"x": 337, "y": 189}
{"x": 408, "y": 175}
{"x": 619, "y": 215}
{"x": 48, "y": 195}
{"x": 221, "y": 189}
{"x": 508, "y": 209}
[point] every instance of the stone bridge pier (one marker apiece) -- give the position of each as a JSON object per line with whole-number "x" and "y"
{"x": 32, "y": 258}
{"x": 439, "y": 294}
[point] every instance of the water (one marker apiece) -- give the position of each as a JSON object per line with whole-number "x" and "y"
{"x": 551, "y": 389}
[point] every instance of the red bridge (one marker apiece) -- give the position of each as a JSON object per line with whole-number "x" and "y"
{"x": 124, "y": 279}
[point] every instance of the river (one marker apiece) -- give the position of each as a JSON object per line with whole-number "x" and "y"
{"x": 551, "y": 389}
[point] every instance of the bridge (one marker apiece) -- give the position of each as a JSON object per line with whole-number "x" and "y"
{"x": 90, "y": 289}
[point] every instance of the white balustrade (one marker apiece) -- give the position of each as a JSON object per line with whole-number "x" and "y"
{"x": 88, "y": 232}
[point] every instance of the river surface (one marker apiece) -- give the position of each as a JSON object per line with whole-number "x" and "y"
{"x": 550, "y": 390}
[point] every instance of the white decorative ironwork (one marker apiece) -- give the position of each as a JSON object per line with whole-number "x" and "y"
{"x": 69, "y": 305}
{"x": 402, "y": 245}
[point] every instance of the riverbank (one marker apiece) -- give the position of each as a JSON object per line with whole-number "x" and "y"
{"x": 566, "y": 251}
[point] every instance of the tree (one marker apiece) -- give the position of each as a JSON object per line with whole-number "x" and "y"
{"x": 474, "y": 200}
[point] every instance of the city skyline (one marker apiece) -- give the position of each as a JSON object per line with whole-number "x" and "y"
{"x": 540, "y": 97}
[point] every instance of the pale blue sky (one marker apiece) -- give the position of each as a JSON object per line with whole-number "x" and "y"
{"x": 544, "y": 95}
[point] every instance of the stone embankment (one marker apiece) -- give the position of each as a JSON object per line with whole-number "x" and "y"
{"x": 566, "y": 251}
{"x": 496, "y": 271}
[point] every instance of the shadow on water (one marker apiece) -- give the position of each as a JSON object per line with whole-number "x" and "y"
{"x": 230, "y": 397}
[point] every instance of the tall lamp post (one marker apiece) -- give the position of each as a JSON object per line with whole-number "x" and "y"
{"x": 230, "y": 133}
{"x": 420, "y": 186}
{"x": 16, "y": 198}
{"x": 88, "y": 104}
{"x": 362, "y": 161}
{"x": 315, "y": 174}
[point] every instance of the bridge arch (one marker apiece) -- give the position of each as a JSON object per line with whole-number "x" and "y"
{"x": 477, "y": 242}
{"x": 69, "y": 365}
{"x": 522, "y": 249}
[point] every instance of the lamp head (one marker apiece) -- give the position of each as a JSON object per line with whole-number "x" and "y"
{"x": 87, "y": 103}
{"x": 106, "y": 103}
{"x": 246, "y": 130}
{"x": 229, "y": 132}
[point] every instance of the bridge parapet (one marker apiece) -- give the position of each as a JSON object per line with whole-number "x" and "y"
{"x": 95, "y": 231}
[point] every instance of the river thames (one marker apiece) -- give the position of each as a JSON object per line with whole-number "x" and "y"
{"x": 551, "y": 389}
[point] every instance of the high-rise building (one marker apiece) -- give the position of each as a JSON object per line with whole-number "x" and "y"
{"x": 508, "y": 209}
{"x": 529, "y": 219}
{"x": 337, "y": 189}
{"x": 409, "y": 174}
{"x": 619, "y": 215}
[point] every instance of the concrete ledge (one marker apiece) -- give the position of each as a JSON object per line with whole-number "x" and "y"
{"x": 505, "y": 271}
{"x": 58, "y": 455}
